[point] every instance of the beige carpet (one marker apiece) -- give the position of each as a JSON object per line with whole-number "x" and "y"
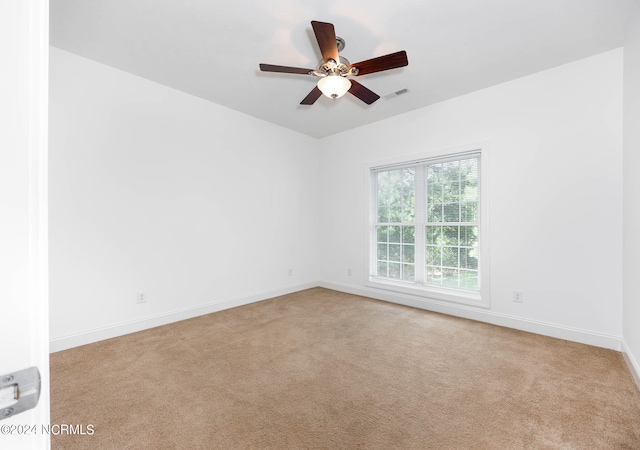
{"x": 320, "y": 369}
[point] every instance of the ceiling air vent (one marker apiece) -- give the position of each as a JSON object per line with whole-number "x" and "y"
{"x": 395, "y": 94}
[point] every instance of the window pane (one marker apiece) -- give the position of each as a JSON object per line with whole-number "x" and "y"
{"x": 469, "y": 236}
{"x": 394, "y": 270}
{"x": 450, "y": 235}
{"x": 452, "y": 212}
{"x": 434, "y": 212}
{"x": 469, "y": 279}
{"x": 451, "y": 192}
{"x": 434, "y": 174}
{"x": 395, "y": 178}
{"x": 450, "y": 257}
{"x": 451, "y": 171}
{"x": 382, "y": 182}
{"x": 468, "y": 258}
{"x": 382, "y": 269}
{"x": 382, "y": 233}
{"x": 469, "y": 169}
{"x": 408, "y": 254}
{"x": 434, "y": 234}
{"x": 450, "y": 277}
{"x": 383, "y": 214}
{"x": 395, "y": 233}
{"x": 408, "y": 214}
{"x": 408, "y": 176}
{"x": 434, "y": 193}
{"x": 408, "y": 235}
{"x": 408, "y": 195}
{"x": 434, "y": 255}
{"x": 394, "y": 252}
{"x": 469, "y": 191}
{"x": 395, "y": 214}
{"x": 469, "y": 212}
{"x": 408, "y": 272}
{"x": 382, "y": 252}
{"x": 433, "y": 275}
{"x": 395, "y": 190}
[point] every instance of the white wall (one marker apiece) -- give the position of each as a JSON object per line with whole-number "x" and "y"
{"x": 154, "y": 190}
{"x": 203, "y": 207}
{"x": 631, "y": 304}
{"x": 555, "y": 195}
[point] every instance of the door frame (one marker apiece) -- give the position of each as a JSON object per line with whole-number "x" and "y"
{"x": 25, "y": 53}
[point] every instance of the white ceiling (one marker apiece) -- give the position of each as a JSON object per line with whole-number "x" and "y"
{"x": 212, "y": 48}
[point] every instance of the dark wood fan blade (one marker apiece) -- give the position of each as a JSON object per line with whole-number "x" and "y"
{"x": 284, "y": 69}
{"x": 391, "y": 61}
{"x": 364, "y": 94}
{"x": 312, "y": 97}
{"x": 326, "y": 36}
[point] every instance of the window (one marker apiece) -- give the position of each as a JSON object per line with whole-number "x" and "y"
{"x": 426, "y": 228}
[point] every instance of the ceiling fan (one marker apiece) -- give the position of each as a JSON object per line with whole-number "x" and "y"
{"x": 334, "y": 70}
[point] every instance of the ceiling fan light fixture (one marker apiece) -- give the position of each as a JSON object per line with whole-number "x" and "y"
{"x": 334, "y": 86}
{"x": 334, "y": 69}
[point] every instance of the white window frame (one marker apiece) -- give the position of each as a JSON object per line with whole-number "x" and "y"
{"x": 423, "y": 292}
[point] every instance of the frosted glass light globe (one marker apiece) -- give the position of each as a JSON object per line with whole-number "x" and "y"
{"x": 334, "y": 86}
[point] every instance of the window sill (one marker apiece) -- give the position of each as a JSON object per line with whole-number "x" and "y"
{"x": 458, "y": 296}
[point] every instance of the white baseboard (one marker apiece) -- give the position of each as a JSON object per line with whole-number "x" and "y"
{"x": 632, "y": 363}
{"x": 88, "y": 337}
{"x": 467, "y": 312}
{"x": 483, "y": 315}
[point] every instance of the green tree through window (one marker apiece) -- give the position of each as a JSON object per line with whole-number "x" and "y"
{"x": 427, "y": 226}
{"x": 395, "y": 227}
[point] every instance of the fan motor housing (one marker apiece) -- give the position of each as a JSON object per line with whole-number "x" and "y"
{"x": 335, "y": 67}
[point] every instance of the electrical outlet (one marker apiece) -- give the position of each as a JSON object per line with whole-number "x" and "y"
{"x": 517, "y": 296}
{"x": 290, "y": 272}
{"x": 348, "y": 272}
{"x": 141, "y": 297}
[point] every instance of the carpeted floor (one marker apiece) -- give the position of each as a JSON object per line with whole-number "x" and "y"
{"x": 320, "y": 369}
